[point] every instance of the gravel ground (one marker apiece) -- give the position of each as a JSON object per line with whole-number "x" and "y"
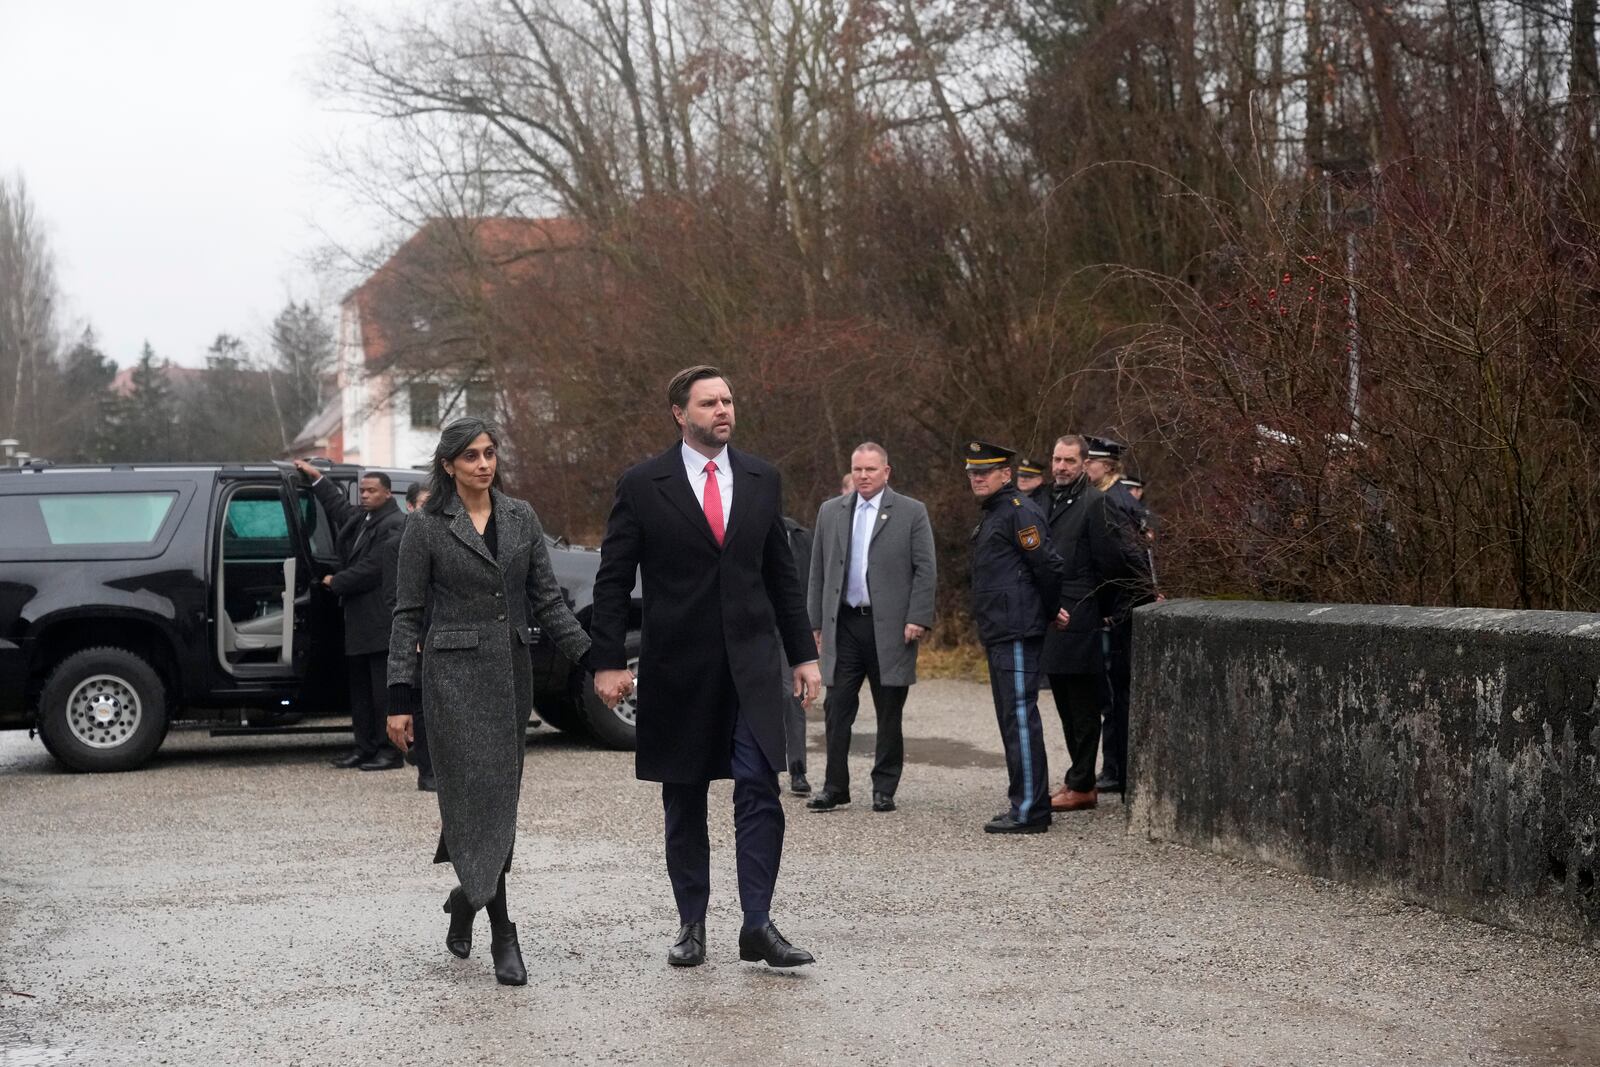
{"x": 239, "y": 901}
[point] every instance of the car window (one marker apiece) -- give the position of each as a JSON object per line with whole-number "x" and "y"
{"x": 256, "y": 528}
{"x": 318, "y": 531}
{"x": 51, "y": 520}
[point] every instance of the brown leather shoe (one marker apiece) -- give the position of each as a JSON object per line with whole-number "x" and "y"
{"x": 1065, "y": 799}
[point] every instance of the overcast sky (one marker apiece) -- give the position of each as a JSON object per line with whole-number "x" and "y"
{"x": 170, "y": 147}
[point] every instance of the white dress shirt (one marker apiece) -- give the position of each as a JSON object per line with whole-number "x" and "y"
{"x": 855, "y": 587}
{"x": 694, "y": 465}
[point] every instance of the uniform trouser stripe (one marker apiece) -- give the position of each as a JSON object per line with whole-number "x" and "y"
{"x": 1024, "y": 739}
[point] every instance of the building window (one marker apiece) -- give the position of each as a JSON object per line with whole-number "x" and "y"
{"x": 424, "y": 403}
{"x": 480, "y": 399}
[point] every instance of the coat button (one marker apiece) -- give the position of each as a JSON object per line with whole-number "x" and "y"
{"x": 502, "y": 618}
{"x": 497, "y": 596}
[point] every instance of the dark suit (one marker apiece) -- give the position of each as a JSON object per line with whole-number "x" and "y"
{"x": 1073, "y": 659}
{"x": 794, "y": 712}
{"x": 368, "y": 543}
{"x": 709, "y": 651}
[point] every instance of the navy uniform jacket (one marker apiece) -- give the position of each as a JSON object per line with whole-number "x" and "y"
{"x": 1017, "y": 577}
{"x": 1131, "y": 578}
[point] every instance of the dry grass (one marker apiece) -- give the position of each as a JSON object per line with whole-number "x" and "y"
{"x": 952, "y": 651}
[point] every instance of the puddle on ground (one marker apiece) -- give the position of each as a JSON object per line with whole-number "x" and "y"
{"x": 1552, "y": 1040}
{"x": 934, "y": 751}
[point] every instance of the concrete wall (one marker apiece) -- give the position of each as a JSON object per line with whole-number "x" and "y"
{"x": 1446, "y": 756}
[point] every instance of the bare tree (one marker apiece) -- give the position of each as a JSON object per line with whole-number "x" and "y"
{"x": 28, "y": 336}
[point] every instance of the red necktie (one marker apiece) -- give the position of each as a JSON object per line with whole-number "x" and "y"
{"x": 712, "y": 501}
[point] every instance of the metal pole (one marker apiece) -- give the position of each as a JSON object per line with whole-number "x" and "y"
{"x": 1354, "y": 384}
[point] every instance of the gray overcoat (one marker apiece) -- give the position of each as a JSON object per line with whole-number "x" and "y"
{"x": 900, "y": 580}
{"x": 477, "y": 677}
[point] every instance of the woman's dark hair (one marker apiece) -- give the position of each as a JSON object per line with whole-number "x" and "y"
{"x": 453, "y": 440}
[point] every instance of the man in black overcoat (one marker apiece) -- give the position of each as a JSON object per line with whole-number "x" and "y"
{"x": 704, "y": 524}
{"x": 367, "y": 538}
{"x": 1073, "y": 659}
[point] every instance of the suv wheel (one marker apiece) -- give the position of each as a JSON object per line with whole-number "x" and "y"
{"x": 614, "y": 727}
{"x": 103, "y": 709}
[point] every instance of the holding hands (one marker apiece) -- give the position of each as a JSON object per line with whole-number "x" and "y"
{"x": 611, "y": 686}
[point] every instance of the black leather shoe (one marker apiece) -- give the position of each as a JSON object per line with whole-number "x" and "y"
{"x": 1006, "y": 823}
{"x": 882, "y": 802}
{"x": 766, "y": 945}
{"x": 458, "y": 939}
{"x": 355, "y": 759}
{"x": 798, "y": 785}
{"x": 381, "y": 762}
{"x": 507, "y": 956}
{"x": 426, "y": 784}
{"x": 690, "y": 948}
{"x": 1107, "y": 785}
{"x": 827, "y": 800}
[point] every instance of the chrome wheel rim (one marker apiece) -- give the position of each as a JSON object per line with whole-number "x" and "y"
{"x": 104, "y": 711}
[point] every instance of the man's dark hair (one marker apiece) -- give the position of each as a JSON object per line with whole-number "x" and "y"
{"x": 683, "y": 381}
{"x": 413, "y": 491}
{"x": 377, "y": 476}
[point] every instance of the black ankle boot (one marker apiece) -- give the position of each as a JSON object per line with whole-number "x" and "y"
{"x": 459, "y": 937}
{"x": 508, "y": 968}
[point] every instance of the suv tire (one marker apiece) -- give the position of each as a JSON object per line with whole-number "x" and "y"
{"x": 613, "y": 729}
{"x": 103, "y": 709}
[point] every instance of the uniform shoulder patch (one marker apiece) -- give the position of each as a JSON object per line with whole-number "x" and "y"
{"x": 1028, "y": 537}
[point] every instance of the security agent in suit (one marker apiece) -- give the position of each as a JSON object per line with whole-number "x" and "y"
{"x": 1082, "y": 534}
{"x": 704, "y": 524}
{"x": 1131, "y": 580}
{"x": 870, "y": 600}
{"x": 1017, "y": 591}
{"x": 367, "y": 539}
{"x": 794, "y": 713}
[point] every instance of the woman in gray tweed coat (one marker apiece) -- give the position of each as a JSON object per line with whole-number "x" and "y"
{"x": 476, "y": 559}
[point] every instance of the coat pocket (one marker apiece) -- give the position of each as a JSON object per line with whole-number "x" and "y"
{"x": 447, "y": 639}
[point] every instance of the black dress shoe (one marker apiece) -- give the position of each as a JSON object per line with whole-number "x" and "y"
{"x": 882, "y": 802}
{"x": 1006, "y": 823}
{"x": 507, "y": 956}
{"x": 426, "y": 784}
{"x": 827, "y": 800}
{"x": 458, "y": 939}
{"x": 380, "y": 762}
{"x": 355, "y": 759}
{"x": 690, "y": 948}
{"x": 1104, "y": 784}
{"x": 766, "y": 945}
{"x": 798, "y": 785}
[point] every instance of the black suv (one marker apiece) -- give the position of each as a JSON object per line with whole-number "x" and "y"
{"x": 133, "y": 597}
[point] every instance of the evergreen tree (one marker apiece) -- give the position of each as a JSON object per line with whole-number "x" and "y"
{"x": 144, "y": 424}
{"x": 229, "y": 415}
{"x": 81, "y": 404}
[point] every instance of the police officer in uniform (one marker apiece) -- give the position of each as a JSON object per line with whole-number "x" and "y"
{"x": 1132, "y": 582}
{"x": 1030, "y": 481}
{"x": 1017, "y": 592}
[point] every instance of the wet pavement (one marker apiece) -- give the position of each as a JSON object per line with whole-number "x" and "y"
{"x": 239, "y": 901}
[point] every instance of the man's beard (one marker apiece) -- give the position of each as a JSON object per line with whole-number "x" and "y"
{"x": 705, "y": 435}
